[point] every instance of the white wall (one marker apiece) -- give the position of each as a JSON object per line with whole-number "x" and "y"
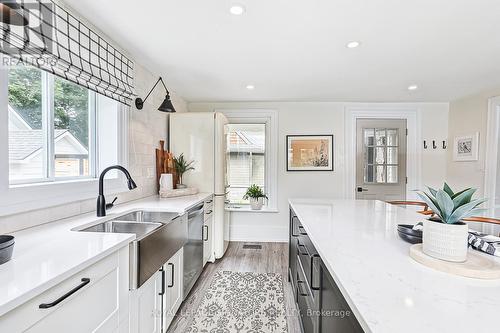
{"x": 469, "y": 115}
{"x": 146, "y": 128}
{"x": 322, "y": 118}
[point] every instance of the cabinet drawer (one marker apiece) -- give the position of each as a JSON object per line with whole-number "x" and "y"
{"x": 94, "y": 307}
{"x": 307, "y": 307}
{"x": 310, "y": 261}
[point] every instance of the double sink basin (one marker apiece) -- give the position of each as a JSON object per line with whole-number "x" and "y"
{"x": 159, "y": 235}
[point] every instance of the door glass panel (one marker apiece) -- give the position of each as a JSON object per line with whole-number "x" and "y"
{"x": 380, "y": 173}
{"x": 380, "y": 136}
{"x": 369, "y": 136}
{"x": 380, "y": 158}
{"x": 392, "y": 174}
{"x": 369, "y": 174}
{"x": 370, "y": 155}
{"x": 392, "y": 155}
{"x": 392, "y": 137}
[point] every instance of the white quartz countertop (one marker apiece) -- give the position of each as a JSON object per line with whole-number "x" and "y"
{"x": 386, "y": 289}
{"x": 48, "y": 254}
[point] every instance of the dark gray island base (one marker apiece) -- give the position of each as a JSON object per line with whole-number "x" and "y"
{"x": 320, "y": 303}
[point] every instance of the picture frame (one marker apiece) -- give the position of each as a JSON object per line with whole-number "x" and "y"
{"x": 466, "y": 148}
{"x": 309, "y": 152}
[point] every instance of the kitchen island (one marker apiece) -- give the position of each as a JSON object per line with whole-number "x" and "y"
{"x": 357, "y": 245}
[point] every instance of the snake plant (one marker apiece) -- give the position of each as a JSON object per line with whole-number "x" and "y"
{"x": 451, "y": 207}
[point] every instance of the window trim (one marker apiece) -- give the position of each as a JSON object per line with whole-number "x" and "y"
{"x": 20, "y": 198}
{"x": 270, "y": 119}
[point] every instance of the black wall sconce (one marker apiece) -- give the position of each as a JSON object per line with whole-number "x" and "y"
{"x": 166, "y": 105}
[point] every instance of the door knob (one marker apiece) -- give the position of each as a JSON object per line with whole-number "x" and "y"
{"x": 360, "y": 189}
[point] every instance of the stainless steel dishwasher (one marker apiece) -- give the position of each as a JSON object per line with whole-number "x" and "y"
{"x": 193, "y": 249}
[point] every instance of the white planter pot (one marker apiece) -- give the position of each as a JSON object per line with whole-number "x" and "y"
{"x": 256, "y": 203}
{"x": 445, "y": 241}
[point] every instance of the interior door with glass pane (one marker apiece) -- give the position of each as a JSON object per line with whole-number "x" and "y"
{"x": 381, "y": 159}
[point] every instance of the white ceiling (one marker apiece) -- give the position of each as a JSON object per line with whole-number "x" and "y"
{"x": 295, "y": 50}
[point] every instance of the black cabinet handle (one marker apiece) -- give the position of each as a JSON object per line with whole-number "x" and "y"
{"x": 209, "y": 201}
{"x": 205, "y": 233}
{"x": 312, "y": 272}
{"x": 293, "y": 226}
{"x": 85, "y": 281}
{"x": 172, "y": 276}
{"x": 298, "y": 245}
{"x": 299, "y": 289}
{"x": 209, "y": 212}
{"x": 162, "y": 292}
{"x": 302, "y": 230}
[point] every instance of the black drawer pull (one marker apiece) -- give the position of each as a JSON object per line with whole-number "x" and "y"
{"x": 293, "y": 226}
{"x": 209, "y": 201}
{"x": 302, "y": 231}
{"x": 209, "y": 212}
{"x": 162, "y": 292}
{"x": 172, "y": 276}
{"x": 298, "y": 249}
{"x": 312, "y": 272}
{"x": 299, "y": 289}
{"x": 85, "y": 281}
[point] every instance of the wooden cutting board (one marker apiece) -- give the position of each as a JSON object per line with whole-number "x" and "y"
{"x": 476, "y": 266}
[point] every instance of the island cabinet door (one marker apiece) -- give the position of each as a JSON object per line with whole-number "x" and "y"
{"x": 292, "y": 253}
{"x": 336, "y": 315}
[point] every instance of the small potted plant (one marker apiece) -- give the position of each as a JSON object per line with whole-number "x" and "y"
{"x": 445, "y": 234}
{"x": 182, "y": 166}
{"x": 256, "y": 197}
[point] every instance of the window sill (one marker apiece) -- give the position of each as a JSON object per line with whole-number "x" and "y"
{"x": 248, "y": 209}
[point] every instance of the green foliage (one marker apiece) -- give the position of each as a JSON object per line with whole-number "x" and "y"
{"x": 255, "y": 192}
{"x": 182, "y": 166}
{"x": 70, "y": 102}
{"x": 452, "y": 207}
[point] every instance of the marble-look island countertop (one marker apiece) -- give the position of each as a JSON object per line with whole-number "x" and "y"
{"x": 386, "y": 289}
{"x": 48, "y": 254}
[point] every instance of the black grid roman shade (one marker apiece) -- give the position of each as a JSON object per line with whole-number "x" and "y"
{"x": 57, "y": 41}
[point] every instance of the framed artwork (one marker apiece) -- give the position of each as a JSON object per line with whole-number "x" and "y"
{"x": 466, "y": 148}
{"x": 309, "y": 152}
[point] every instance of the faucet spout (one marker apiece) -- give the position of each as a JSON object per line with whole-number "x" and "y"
{"x": 101, "y": 200}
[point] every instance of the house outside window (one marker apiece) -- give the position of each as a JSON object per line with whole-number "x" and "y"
{"x": 56, "y": 128}
{"x": 247, "y": 151}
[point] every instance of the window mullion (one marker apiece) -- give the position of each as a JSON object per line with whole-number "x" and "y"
{"x": 48, "y": 124}
{"x": 93, "y": 142}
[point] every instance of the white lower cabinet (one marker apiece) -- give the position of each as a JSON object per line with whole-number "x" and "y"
{"x": 93, "y": 300}
{"x": 173, "y": 287}
{"x": 145, "y": 306}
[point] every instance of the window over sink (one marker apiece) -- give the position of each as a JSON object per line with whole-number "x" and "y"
{"x": 57, "y": 130}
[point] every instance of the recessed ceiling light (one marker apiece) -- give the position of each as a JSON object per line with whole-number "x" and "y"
{"x": 353, "y": 44}
{"x": 237, "y": 9}
{"x": 412, "y": 87}
{"x": 250, "y": 87}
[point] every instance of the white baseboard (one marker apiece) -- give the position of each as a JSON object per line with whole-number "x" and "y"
{"x": 251, "y": 233}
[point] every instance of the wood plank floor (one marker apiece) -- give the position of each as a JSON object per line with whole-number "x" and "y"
{"x": 272, "y": 258}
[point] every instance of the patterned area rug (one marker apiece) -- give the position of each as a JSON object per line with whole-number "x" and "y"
{"x": 242, "y": 303}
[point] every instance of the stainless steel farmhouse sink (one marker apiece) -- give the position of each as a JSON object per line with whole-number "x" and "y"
{"x": 159, "y": 235}
{"x": 139, "y": 229}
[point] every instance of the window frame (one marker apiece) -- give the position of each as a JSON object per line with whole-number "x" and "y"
{"x": 270, "y": 119}
{"x": 22, "y": 196}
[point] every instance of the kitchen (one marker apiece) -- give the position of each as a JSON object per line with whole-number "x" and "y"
{"x": 242, "y": 195}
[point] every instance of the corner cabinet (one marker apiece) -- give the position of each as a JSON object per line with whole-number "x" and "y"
{"x": 321, "y": 305}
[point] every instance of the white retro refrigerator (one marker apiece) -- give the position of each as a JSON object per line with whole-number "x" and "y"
{"x": 202, "y": 137}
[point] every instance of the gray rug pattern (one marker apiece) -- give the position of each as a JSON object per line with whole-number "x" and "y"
{"x": 242, "y": 303}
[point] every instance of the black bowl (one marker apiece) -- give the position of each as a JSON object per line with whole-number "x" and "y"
{"x": 409, "y": 235}
{"x": 6, "y": 248}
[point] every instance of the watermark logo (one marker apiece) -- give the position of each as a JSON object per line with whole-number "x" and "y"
{"x": 32, "y": 41}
